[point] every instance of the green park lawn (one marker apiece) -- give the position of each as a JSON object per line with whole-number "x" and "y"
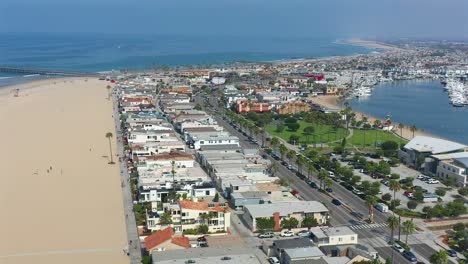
{"x": 368, "y": 138}
{"x": 322, "y": 134}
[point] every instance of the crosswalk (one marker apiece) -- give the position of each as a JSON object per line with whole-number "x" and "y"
{"x": 368, "y": 226}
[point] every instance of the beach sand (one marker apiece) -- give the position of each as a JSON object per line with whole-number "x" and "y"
{"x": 373, "y": 44}
{"x": 61, "y": 201}
{"x": 332, "y": 102}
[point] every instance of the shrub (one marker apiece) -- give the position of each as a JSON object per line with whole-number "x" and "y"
{"x": 463, "y": 191}
{"x": 458, "y": 227}
{"x": 440, "y": 192}
{"x": 202, "y": 229}
{"x": 189, "y": 231}
{"x": 387, "y": 197}
{"x": 394, "y": 204}
{"x": 412, "y": 204}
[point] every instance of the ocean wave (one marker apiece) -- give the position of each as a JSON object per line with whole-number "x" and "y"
{"x": 31, "y": 75}
{"x": 1, "y": 78}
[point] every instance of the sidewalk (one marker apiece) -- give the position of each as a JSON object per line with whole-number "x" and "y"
{"x": 134, "y": 246}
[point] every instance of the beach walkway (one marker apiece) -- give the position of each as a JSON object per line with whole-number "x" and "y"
{"x": 134, "y": 246}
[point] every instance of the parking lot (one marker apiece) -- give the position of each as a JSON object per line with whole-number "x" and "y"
{"x": 405, "y": 172}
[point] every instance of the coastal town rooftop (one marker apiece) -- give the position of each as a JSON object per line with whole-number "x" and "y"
{"x": 434, "y": 145}
{"x": 209, "y": 255}
{"x": 285, "y": 208}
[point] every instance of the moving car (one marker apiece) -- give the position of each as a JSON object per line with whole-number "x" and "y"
{"x": 451, "y": 252}
{"x": 267, "y": 235}
{"x": 287, "y": 233}
{"x": 409, "y": 256}
{"x": 398, "y": 248}
{"x": 336, "y": 202}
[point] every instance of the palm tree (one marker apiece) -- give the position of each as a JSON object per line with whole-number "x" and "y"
{"x": 109, "y": 136}
{"x": 310, "y": 169}
{"x": 108, "y": 91}
{"x": 327, "y": 182}
{"x": 283, "y": 149}
{"x": 413, "y": 129}
{"x": 290, "y": 155}
{"x": 392, "y": 222}
{"x": 308, "y": 131}
{"x": 300, "y": 162}
{"x": 401, "y": 126}
{"x": 274, "y": 143}
{"x": 394, "y": 186}
{"x": 371, "y": 200}
{"x": 440, "y": 257}
{"x": 408, "y": 228}
{"x": 273, "y": 168}
{"x": 322, "y": 175}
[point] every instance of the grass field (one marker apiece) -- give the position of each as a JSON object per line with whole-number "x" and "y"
{"x": 323, "y": 133}
{"x": 368, "y": 138}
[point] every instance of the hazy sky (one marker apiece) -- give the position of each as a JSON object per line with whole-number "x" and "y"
{"x": 344, "y": 18}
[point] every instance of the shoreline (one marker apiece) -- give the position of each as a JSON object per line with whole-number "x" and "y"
{"x": 57, "y": 183}
{"x": 332, "y": 102}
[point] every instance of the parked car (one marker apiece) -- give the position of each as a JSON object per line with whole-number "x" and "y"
{"x": 381, "y": 207}
{"x": 313, "y": 185}
{"x": 273, "y": 260}
{"x": 286, "y": 233}
{"x": 398, "y": 248}
{"x": 266, "y": 235}
{"x": 202, "y": 238}
{"x": 409, "y": 256}
{"x": 385, "y": 182}
{"x": 329, "y": 190}
{"x": 451, "y": 252}
{"x": 432, "y": 181}
{"x": 303, "y": 233}
{"x": 421, "y": 177}
{"x": 408, "y": 194}
{"x": 309, "y": 181}
{"x": 226, "y": 258}
{"x": 290, "y": 167}
{"x": 336, "y": 202}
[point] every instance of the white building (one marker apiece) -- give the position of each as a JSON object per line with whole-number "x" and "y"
{"x": 333, "y": 236}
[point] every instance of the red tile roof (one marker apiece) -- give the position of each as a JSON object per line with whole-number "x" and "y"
{"x": 158, "y": 238}
{"x": 181, "y": 241}
{"x": 201, "y": 206}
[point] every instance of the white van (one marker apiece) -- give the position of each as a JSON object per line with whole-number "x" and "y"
{"x": 273, "y": 260}
{"x": 381, "y": 207}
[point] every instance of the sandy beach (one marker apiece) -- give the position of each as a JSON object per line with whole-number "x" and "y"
{"x": 333, "y": 103}
{"x": 61, "y": 201}
{"x": 372, "y": 44}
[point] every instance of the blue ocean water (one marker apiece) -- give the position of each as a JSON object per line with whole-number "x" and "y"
{"x": 420, "y": 102}
{"x": 92, "y": 52}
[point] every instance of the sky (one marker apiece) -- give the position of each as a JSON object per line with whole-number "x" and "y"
{"x": 433, "y": 19}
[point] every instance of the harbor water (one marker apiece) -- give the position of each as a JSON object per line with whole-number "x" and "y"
{"x": 420, "y": 102}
